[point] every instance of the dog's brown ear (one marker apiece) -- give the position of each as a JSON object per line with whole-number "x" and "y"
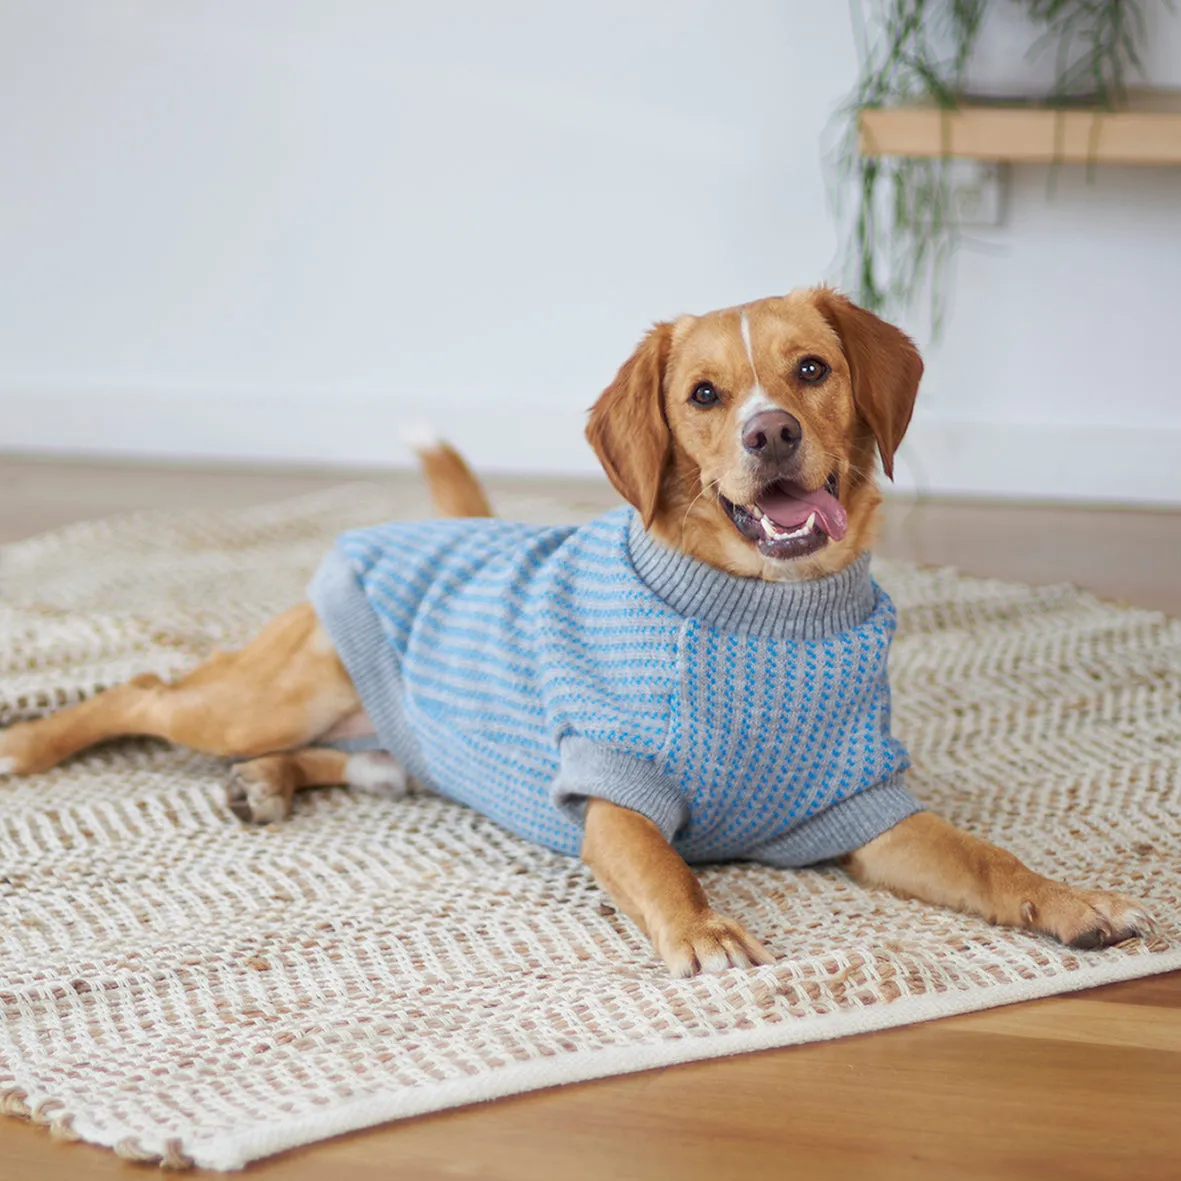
{"x": 886, "y": 370}
{"x": 627, "y": 427}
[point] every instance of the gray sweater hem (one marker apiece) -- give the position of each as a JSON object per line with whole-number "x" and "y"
{"x": 842, "y": 827}
{"x": 344, "y": 609}
{"x": 591, "y": 770}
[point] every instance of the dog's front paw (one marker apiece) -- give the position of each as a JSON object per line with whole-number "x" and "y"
{"x": 708, "y": 942}
{"x": 1087, "y": 919}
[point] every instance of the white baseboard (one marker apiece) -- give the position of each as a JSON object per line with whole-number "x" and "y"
{"x": 1122, "y": 465}
{"x": 1093, "y": 464}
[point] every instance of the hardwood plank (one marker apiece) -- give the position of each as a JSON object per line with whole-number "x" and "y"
{"x": 1087, "y": 1021}
{"x": 1163, "y": 992}
{"x": 1125, "y": 555}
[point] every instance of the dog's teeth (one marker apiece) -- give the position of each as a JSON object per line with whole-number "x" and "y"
{"x": 806, "y": 527}
{"x": 776, "y": 534}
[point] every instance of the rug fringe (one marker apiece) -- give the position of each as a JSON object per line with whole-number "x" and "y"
{"x": 52, "y": 1115}
{"x": 12, "y": 1102}
{"x": 173, "y": 1156}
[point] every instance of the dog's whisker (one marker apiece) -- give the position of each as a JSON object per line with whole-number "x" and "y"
{"x": 704, "y": 489}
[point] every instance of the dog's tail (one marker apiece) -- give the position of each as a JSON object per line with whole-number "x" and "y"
{"x": 453, "y": 485}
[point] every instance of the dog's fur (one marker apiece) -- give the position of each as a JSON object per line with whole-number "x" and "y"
{"x": 676, "y": 462}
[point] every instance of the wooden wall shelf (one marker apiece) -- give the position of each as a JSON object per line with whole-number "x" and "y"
{"x": 1146, "y": 130}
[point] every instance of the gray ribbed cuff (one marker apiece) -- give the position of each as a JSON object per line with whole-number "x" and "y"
{"x": 807, "y": 610}
{"x": 347, "y": 615}
{"x": 591, "y": 770}
{"x": 841, "y": 828}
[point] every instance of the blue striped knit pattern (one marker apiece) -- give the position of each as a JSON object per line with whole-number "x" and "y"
{"x": 772, "y": 731}
{"x": 513, "y": 639}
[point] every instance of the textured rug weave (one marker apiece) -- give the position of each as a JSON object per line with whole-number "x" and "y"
{"x": 186, "y": 989}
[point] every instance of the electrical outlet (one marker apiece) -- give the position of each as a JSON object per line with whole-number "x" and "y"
{"x": 977, "y": 191}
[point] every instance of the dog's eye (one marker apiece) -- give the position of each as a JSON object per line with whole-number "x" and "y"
{"x": 704, "y": 394}
{"x": 812, "y": 370}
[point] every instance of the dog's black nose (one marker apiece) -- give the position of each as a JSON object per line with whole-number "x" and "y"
{"x": 772, "y": 435}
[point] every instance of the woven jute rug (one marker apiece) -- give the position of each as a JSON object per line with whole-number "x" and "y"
{"x": 187, "y": 989}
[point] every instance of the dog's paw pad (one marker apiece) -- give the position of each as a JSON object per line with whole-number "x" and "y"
{"x": 1091, "y": 919}
{"x": 1113, "y": 924}
{"x": 708, "y": 942}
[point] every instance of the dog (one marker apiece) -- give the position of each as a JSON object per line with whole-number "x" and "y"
{"x": 697, "y": 676}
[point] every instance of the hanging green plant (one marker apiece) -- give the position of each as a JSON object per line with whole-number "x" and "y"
{"x": 896, "y": 213}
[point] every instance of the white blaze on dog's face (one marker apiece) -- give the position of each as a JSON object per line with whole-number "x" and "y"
{"x": 746, "y": 436}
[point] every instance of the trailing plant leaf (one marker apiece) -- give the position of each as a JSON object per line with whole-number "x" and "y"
{"x": 1098, "y": 46}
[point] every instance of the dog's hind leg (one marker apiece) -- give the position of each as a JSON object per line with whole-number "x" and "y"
{"x": 283, "y": 690}
{"x": 262, "y": 790}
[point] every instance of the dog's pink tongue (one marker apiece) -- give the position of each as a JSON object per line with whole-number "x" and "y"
{"x": 789, "y": 507}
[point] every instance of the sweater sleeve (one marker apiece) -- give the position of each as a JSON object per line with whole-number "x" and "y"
{"x": 591, "y": 770}
{"x": 842, "y": 827}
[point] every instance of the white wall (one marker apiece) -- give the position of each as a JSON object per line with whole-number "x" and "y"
{"x": 1058, "y": 374}
{"x": 278, "y": 230}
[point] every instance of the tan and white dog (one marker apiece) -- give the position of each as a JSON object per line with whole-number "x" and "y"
{"x": 705, "y": 425}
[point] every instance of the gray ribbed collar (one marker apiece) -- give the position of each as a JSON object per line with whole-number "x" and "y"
{"x": 806, "y": 610}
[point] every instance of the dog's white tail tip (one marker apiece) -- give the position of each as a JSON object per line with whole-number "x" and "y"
{"x": 421, "y": 437}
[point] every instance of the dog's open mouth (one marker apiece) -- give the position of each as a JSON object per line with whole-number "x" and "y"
{"x": 786, "y": 520}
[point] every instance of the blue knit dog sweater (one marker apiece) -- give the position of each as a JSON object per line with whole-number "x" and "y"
{"x": 522, "y": 670}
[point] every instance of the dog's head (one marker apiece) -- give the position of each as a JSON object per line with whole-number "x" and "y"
{"x": 746, "y": 437}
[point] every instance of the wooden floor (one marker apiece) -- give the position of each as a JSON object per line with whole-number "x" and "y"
{"x": 1085, "y": 1086}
